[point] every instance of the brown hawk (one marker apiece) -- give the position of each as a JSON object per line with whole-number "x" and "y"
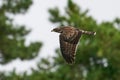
{"x": 69, "y": 37}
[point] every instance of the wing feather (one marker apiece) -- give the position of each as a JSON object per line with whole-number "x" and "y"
{"x": 68, "y": 47}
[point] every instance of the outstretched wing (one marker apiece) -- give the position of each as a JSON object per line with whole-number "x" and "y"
{"x": 68, "y": 46}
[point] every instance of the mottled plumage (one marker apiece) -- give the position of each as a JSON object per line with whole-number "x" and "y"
{"x": 69, "y": 38}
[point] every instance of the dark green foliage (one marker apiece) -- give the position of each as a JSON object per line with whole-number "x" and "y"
{"x": 15, "y": 6}
{"x": 12, "y": 37}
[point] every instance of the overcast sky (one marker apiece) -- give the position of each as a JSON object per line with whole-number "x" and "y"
{"x": 37, "y": 19}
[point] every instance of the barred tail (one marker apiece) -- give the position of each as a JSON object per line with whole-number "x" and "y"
{"x": 88, "y": 32}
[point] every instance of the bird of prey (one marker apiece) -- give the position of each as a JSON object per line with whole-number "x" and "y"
{"x": 69, "y": 38}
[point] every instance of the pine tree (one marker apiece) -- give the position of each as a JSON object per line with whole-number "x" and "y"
{"x": 12, "y": 37}
{"x": 97, "y": 56}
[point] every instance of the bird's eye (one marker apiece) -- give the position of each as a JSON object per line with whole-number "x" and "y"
{"x": 61, "y": 31}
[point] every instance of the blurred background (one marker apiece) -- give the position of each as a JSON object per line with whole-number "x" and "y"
{"x": 29, "y": 51}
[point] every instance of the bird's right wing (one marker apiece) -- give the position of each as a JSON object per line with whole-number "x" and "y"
{"x": 68, "y": 47}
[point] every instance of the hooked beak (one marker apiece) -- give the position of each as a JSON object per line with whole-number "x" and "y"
{"x": 52, "y": 30}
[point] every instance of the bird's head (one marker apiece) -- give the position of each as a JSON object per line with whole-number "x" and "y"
{"x": 58, "y": 30}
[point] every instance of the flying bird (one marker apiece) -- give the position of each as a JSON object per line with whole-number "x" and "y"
{"x": 69, "y": 38}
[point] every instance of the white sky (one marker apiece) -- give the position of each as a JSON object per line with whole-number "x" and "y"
{"x": 37, "y": 19}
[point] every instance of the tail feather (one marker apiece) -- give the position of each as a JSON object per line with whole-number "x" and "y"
{"x": 88, "y": 32}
